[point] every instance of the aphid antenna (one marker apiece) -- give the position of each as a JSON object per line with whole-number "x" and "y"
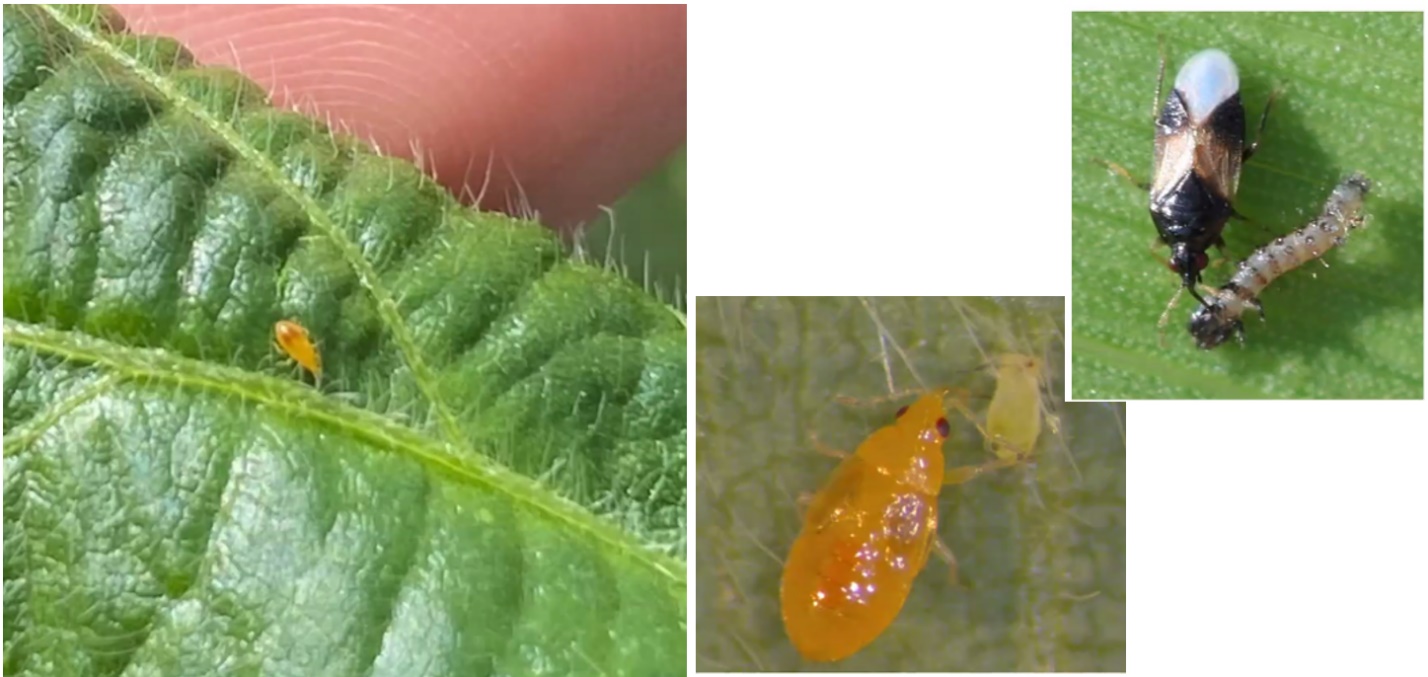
{"x": 850, "y": 401}
{"x": 1120, "y": 418}
{"x": 967, "y": 323}
{"x": 1043, "y": 402}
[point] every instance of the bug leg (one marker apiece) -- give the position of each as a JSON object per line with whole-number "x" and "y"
{"x": 1263, "y": 118}
{"x": 1125, "y": 173}
{"x": 1155, "y": 244}
{"x": 1165, "y": 316}
{"x": 958, "y": 400}
{"x": 945, "y": 554}
{"x": 825, "y": 449}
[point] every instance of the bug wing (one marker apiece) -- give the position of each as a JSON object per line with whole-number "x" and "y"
{"x": 848, "y": 574}
{"x": 837, "y": 496}
{"x": 1218, "y": 164}
{"x": 1174, "y": 158}
{"x": 908, "y": 524}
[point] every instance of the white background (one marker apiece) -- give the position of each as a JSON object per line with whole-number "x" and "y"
{"x": 871, "y": 149}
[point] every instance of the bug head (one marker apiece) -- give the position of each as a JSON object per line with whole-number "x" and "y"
{"x": 1188, "y": 263}
{"x": 1019, "y": 362}
{"x": 926, "y": 415}
{"x": 1211, "y": 327}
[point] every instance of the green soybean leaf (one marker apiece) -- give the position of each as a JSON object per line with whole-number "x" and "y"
{"x": 1041, "y": 551}
{"x": 488, "y": 478}
{"x": 1351, "y": 100}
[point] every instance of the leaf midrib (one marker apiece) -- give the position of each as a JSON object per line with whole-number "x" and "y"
{"x": 302, "y": 402}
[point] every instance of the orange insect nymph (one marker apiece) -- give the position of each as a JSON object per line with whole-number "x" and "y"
{"x": 294, "y": 340}
{"x": 866, "y": 536}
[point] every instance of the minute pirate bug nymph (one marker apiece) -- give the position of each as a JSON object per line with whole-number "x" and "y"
{"x": 1199, "y": 149}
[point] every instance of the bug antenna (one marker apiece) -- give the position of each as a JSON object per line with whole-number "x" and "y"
{"x": 884, "y": 335}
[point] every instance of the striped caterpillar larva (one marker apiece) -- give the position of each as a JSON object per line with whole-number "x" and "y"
{"x": 1218, "y": 320}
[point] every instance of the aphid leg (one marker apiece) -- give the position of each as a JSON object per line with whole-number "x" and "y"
{"x": 1125, "y": 173}
{"x": 1006, "y": 451}
{"x": 945, "y": 554}
{"x": 1263, "y": 118}
{"x": 961, "y": 474}
{"x": 1053, "y": 423}
{"x": 967, "y": 473}
{"x": 958, "y": 399}
{"x": 1080, "y": 598}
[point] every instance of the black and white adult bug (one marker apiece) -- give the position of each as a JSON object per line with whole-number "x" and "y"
{"x": 1199, "y": 150}
{"x": 1219, "y": 319}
